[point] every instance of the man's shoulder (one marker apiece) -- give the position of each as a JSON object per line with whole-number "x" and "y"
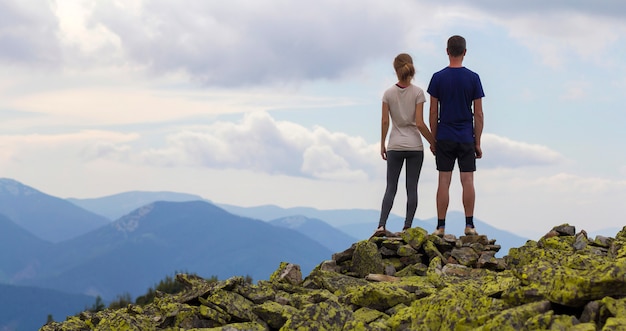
{"x": 469, "y": 71}
{"x": 442, "y": 71}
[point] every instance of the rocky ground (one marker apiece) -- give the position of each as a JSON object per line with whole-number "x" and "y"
{"x": 406, "y": 281}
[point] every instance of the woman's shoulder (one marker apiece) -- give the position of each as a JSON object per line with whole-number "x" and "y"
{"x": 416, "y": 89}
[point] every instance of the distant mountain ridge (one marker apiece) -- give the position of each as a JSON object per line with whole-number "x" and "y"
{"x": 318, "y": 230}
{"x": 361, "y": 223}
{"x": 20, "y": 251}
{"x": 40, "y": 303}
{"x": 355, "y": 223}
{"x": 117, "y": 205}
{"x": 158, "y": 239}
{"x": 49, "y": 218}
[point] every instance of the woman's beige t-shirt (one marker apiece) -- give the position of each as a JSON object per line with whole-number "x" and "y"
{"x": 404, "y": 134}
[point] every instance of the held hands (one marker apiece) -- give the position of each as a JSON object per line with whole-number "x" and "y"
{"x": 479, "y": 151}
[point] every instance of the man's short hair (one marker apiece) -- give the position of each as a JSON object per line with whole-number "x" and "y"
{"x": 456, "y": 45}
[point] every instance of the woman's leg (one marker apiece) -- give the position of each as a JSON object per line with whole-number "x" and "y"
{"x": 395, "y": 160}
{"x": 414, "y": 161}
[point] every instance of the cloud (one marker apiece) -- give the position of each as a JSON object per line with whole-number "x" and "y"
{"x": 503, "y": 152}
{"x": 84, "y": 38}
{"x": 553, "y": 29}
{"x": 576, "y": 90}
{"x": 246, "y": 43}
{"x": 28, "y": 33}
{"x": 322, "y": 162}
{"x": 260, "y": 143}
{"x": 531, "y": 201}
{"x": 239, "y": 43}
{"x": 608, "y": 8}
{"x": 82, "y": 145}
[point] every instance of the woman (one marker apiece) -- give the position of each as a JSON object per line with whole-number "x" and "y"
{"x": 404, "y": 104}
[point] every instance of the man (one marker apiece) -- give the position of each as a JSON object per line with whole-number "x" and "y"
{"x": 456, "y": 121}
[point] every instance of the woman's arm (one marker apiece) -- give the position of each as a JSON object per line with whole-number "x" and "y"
{"x": 384, "y": 128}
{"x": 421, "y": 125}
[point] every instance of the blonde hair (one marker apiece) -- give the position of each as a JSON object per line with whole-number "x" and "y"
{"x": 403, "y": 64}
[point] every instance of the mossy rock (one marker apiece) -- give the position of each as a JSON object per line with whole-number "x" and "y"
{"x": 615, "y": 324}
{"x": 380, "y": 296}
{"x": 245, "y": 326}
{"x": 415, "y": 237}
{"x": 366, "y": 259}
{"x": 448, "y": 307}
{"x": 332, "y": 281}
{"x": 417, "y": 269}
{"x": 574, "y": 287}
{"x": 233, "y": 304}
{"x": 328, "y": 315}
{"x": 274, "y": 314}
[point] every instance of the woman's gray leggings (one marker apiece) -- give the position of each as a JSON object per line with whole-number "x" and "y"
{"x": 395, "y": 159}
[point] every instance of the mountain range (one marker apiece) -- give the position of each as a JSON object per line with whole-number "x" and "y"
{"x": 127, "y": 242}
{"x": 49, "y": 218}
{"x": 28, "y": 308}
{"x": 164, "y": 237}
{"x": 117, "y": 205}
{"x": 346, "y": 225}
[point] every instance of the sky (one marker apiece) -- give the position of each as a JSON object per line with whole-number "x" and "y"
{"x": 279, "y": 102}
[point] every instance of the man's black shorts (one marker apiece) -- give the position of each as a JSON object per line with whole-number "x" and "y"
{"x": 449, "y": 151}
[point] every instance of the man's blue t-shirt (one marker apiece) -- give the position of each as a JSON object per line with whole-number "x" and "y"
{"x": 456, "y": 88}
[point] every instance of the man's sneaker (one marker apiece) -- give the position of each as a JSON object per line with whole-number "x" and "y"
{"x": 439, "y": 232}
{"x": 470, "y": 231}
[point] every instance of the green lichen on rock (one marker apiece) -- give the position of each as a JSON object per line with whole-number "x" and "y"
{"x": 410, "y": 281}
{"x": 332, "y": 281}
{"x": 274, "y": 314}
{"x": 328, "y": 315}
{"x": 233, "y": 304}
{"x": 380, "y": 296}
{"x": 448, "y": 307}
{"x": 415, "y": 237}
{"x": 366, "y": 259}
{"x": 615, "y": 324}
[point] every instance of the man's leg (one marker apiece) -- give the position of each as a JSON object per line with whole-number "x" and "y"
{"x": 469, "y": 199}
{"x": 443, "y": 194}
{"x": 445, "y": 157}
{"x": 469, "y": 194}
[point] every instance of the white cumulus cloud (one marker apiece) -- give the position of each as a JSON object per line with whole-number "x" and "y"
{"x": 260, "y": 143}
{"x": 503, "y": 152}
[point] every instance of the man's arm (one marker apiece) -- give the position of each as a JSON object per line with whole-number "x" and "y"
{"x": 433, "y": 119}
{"x": 479, "y": 122}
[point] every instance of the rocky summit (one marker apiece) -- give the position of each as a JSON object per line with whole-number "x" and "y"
{"x": 406, "y": 281}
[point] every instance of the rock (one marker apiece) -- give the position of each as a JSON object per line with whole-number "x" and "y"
{"x": 382, "y": 278}
{"x": 274, "y": 314}
{"x": 328, "y": 315}
{"x": 412, "y": 281}
{"x": 289, "y": 273}
{"x": 366, "y": 259}
{"x": 465, "y": 256}
{"x": 379, "y": 296}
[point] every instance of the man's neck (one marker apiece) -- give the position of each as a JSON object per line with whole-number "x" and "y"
{"x": 456, "y": 61}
